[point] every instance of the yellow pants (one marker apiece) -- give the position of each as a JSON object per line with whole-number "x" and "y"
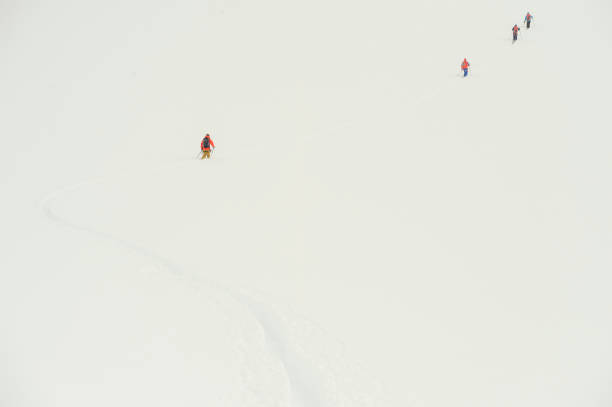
{"x": 205, "y": 154}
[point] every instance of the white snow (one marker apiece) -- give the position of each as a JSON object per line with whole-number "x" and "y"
{"x": 372, "y": 230}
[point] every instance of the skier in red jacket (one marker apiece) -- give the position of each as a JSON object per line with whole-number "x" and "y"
{"x": 206, "y": 145}
{"x": 515, "y": 31}
{"x": 465, "y": 65}
{"x": 528, "y": 19}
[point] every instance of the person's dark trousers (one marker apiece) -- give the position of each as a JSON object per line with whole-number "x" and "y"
{"x": 514, "y": 37}
{"x": 528, "y": 24}
{"x": 465, "y": 71}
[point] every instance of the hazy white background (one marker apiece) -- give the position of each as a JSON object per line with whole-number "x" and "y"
{"x": 373, "y": 230}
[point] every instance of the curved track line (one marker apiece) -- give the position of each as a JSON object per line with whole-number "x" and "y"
{"x": 303, "y": 386}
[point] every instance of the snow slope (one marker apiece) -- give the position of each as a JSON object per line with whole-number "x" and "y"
{"x": 373, "y": 229}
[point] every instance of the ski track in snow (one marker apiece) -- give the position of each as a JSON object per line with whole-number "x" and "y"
{"x": 316, "y": 375}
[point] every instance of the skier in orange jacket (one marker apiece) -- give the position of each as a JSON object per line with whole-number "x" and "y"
{"x": 465, "y": 65}
{"x": 206, "y": 145}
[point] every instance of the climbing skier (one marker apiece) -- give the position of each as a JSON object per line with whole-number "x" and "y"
{"x": 465, "y": 65}
{"x": 528, "y": 19}
{"x": 515, "y": 31}
{"x": 206, "y": 145}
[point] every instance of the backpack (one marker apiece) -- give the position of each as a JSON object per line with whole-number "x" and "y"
{"x": 205, "y": 143}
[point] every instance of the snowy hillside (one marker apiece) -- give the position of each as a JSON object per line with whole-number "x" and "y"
{"x": 372, "y": 229}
